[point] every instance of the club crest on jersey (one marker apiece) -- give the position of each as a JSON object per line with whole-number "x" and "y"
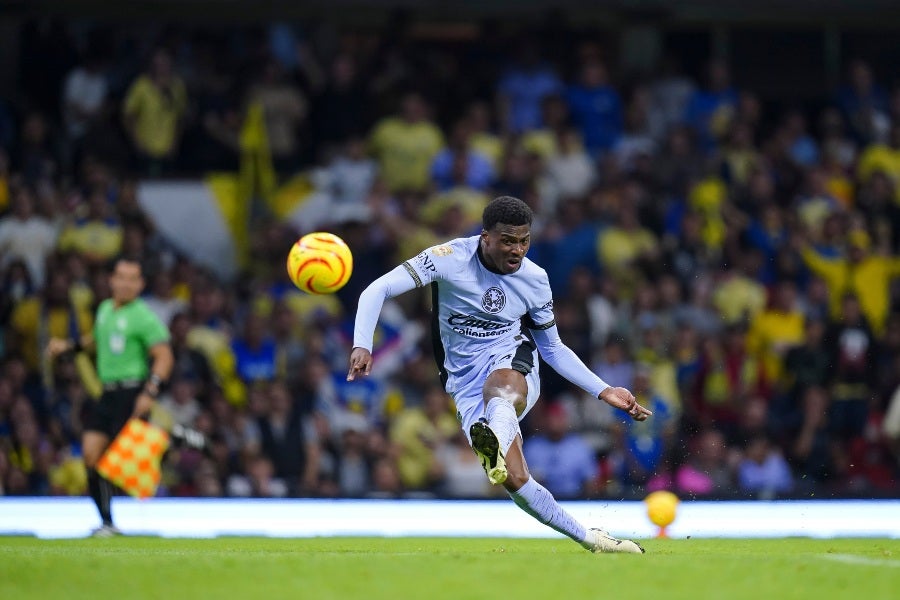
{"x": 442, "y": 250}
{"x": 493, "y": 300}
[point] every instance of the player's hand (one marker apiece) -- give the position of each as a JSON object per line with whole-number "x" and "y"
{"x": 619, "y": 397}
{"x": 143, "y": 405}
{"x": 360, "y": 363}
{"x": 57, "y": 346}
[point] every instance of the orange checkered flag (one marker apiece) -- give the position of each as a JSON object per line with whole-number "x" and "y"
{"x": 132, "y": 460}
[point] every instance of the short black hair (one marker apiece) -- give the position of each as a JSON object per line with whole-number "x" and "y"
{"x": 506, "y": 210}
{"x": 123, "y": 258}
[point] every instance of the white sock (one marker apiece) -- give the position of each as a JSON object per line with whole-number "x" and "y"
{"x": 501, "y": 417}
{"x": 534, "y": 499}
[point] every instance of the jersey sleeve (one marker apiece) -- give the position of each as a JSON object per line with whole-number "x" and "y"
{"x": 391, "y": 284}
{"x": 432, "y": 264}
{"x": 152, "y": 329}
{"x": 540, "y": 315}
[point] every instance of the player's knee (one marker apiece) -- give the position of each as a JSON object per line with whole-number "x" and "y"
{"x": 508, "y": 385}
{"x": 518, "y": 402}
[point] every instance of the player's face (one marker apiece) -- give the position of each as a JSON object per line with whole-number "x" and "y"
{"x": 504, "y": 246}
{"x": 126, "y": 282}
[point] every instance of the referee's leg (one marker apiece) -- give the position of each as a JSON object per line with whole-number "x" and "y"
{"x": 93, "y": 443}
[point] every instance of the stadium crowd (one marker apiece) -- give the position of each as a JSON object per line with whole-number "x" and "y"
{"x": 730, "y": 262}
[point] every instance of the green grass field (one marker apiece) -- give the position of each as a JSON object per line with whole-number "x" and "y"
{"x": 455, "y": 569}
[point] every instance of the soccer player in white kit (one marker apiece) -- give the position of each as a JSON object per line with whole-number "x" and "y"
{"x": 484, "y": 291}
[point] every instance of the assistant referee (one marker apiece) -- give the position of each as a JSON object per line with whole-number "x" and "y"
{"x": 134, "y": 359}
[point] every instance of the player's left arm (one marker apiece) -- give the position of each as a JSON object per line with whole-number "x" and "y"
{"x": 564, "y": 361}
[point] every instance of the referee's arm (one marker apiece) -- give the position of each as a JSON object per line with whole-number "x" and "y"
{"x": 57, "y": 346}
{"x": 162, "y": 361}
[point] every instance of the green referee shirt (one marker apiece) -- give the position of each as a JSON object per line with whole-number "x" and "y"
{"x": 123, "y": 337}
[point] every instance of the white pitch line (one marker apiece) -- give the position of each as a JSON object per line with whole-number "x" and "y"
{"x": 854, "y": 559}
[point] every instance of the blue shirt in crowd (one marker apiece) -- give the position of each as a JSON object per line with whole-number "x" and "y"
{"x": 479, "y": 171}
{"x": 526, "y": 89}
{"x": 598, "y": 114}
{"x": 255, "y": 364}
{"x": 702, "y": 109}
{"x": 563, "y": 467}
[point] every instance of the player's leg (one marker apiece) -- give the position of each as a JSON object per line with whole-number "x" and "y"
{"x": 505, "y": 393}
{"x": 510, "y": 389}
{"x": 506, "y": 396}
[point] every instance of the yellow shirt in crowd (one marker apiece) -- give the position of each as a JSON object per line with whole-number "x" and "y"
{"x": 618, "y": 247}
{"x": 879, "y": 157}
{"x": 416, "y": 436}
{"x": 156, "y": 114}
{"x": 541, "y": 142}
{"x": 405, "y": 152}
{"x": 739, "y": 298}
{"x": 490, "y": 146}
{"x": 772, "y": 333}
{"x": 35, "y": 328}
{"x": 97, "y": 240}
{"x": 869, "y": 280}
{"x": 708, "y": 197}
{"x": 469, "y": 200}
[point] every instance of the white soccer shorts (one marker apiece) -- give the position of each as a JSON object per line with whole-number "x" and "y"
{"x": 469, "y": 394}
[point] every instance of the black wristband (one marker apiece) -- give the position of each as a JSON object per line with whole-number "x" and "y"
{"x": 155, "y": 380}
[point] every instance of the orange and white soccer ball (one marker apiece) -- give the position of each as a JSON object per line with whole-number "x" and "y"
{"x": 320, "y": 263}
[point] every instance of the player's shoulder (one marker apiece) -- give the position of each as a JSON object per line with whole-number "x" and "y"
{"x": 531, "y": 270}
{"x": 443, "y": 260}
{"x": 467, "y": 246}
{"x": 453, "y": 251}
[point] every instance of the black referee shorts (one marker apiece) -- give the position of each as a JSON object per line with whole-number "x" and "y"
{"x": 109, "y": 414}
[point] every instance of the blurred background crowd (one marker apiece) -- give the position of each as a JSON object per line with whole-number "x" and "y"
{"x": 729, "y": 257}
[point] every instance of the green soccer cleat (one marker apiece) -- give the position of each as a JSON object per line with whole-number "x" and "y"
{"x": 487, "y": 447}
{"x": 600, "y": 542}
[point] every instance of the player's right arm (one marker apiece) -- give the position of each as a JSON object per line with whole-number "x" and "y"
{"x": 389, "y": 285}
{"x": 413, "y": 273}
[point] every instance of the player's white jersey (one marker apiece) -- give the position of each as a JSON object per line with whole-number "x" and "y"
{"x": 478, "y": 312}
